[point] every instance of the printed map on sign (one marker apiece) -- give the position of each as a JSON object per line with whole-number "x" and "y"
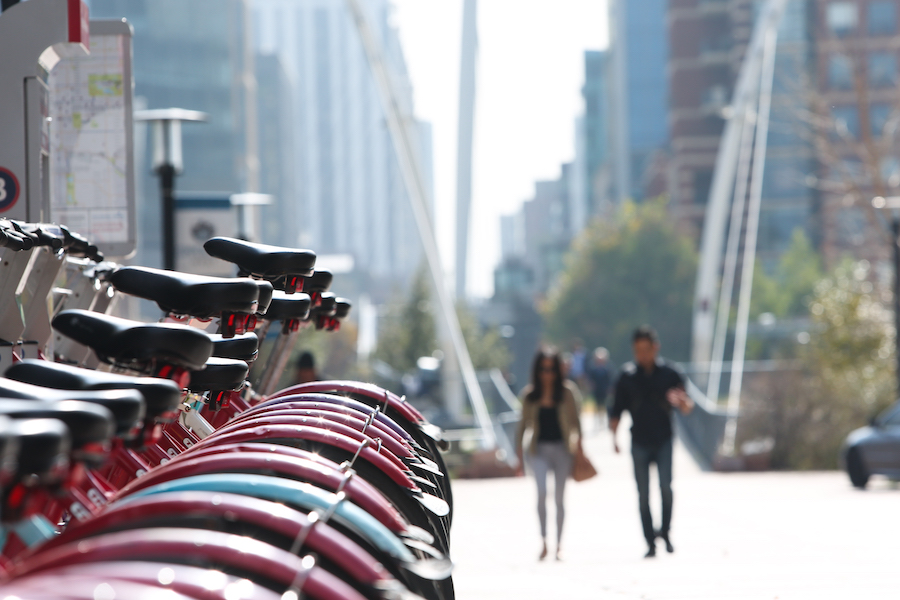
{"x": 88, "y": 143}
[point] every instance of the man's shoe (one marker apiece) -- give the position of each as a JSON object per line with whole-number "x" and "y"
{"x": 651, "y": 552}
{"x": 665, "y": 537}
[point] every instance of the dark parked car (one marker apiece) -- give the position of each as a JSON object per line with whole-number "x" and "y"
{"x": 875, "y": 449}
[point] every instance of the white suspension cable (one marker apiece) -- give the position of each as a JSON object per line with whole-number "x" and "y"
{"x": 418, "y": 194}
{"x": 759, "y": 164}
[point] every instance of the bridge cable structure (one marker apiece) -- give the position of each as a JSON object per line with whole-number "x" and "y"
{"x": 419, "y": 195}
{"x": 736, "y": 189}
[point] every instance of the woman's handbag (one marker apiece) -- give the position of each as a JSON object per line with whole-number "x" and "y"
{"x": 582, "y": 469}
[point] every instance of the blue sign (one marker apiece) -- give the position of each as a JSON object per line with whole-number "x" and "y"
{"x": 9, "y": 189}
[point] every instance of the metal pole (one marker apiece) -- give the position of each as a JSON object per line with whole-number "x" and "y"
{"x": 466, "y": 126}
{"x": 895, "y": 229}
{"x": 166, "y": 174}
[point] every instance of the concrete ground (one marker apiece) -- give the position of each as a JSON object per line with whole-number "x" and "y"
{"x": 737, "y": 536}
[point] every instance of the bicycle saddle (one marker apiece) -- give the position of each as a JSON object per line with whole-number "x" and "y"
{"x": 187, "y": 294}
{"x": 261, "y": 260}
{"x": 288, "y": 306}
{"x": 265, "y": 295}
{"x": 244, "y": 346}
{"x": 219, "y": 374}
{"x": 44, "y": 447}
{"x": 126, "y": 406}
{"x": 123, "y": 341}
{"x": 326, "y": 306}
{"x": 161, "y": 396}
{"x": 342, "y": 308}
{"x": 319, "y": 281}
{"x": 91, "y": 427}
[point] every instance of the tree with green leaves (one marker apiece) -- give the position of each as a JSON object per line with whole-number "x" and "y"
{"x": 623, "y": 272}
{"x": 847, "y": 374}
{"x": 409, "y": 332}
{"x": 787, "y": 291}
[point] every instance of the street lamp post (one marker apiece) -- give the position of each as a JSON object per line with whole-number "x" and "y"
{"x": 167, "y": 163}
{"x": 893, "y": 204}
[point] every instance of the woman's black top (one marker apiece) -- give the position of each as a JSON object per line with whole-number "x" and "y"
{"x": 548, "y": 425}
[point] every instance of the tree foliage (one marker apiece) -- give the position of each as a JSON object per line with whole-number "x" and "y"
{"x": 847, "y": 374}
{"x": 624, "y": 272}
{"x": 409, "y": 332}
{"x": 788, "y": 290}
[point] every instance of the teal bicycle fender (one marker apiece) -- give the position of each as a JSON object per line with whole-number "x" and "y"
{"x": 289, "y": 492}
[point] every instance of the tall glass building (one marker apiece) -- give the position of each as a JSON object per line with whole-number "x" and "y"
{"x": 189, "y": 54}
{"x": 640, "y": 92}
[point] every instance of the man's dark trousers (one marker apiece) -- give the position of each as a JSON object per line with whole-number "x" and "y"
{"x": 643, "y": 456}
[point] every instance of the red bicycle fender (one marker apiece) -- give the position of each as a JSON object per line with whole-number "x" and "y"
{"x": 194, "y": 582}
{"x": 318, "y": 423}
{"x": 363, "y": 389}
{"x": 368, "y": 498}
{"x": 81, "y": 587}
{"x": 322, "y": 539}
{"x": 167, "y": 544}
{"x": 300, "y": 409}
{"x": 266, "y": 433}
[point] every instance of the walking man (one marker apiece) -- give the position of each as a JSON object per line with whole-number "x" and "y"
{"x": 650, "y": 389}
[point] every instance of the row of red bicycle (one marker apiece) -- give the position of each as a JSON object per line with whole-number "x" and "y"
{"x": 162, "y": 472}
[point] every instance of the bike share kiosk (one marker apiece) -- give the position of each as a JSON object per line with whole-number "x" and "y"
{"x": 66, "y": 156}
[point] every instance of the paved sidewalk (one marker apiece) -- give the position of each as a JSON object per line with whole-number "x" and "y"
{"x": 737, "y": 536}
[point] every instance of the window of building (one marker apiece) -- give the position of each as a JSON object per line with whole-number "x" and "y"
{"x": 846, "y": 120}
{"x": 842, "y": 17}
{"x": 840, "y": 72}
{"x": 878, "y": 117}
{"x": 882, "y": 17}
{"x": 702, "y": 185}
{"x": 882, "y": 69}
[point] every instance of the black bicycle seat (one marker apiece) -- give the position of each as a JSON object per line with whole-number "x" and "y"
{"x": 219, "y": 374}
{"x": 288, "y": 306}
{"x": 342, "y": 308}
{"x": 187, "y": 294}
{"x": 265, "y": 295}
{"x": 91, "y": 426}
{"x": 44, "y": 447}
{"x": 123, "y": 341}
{"x": 240, "y": 347}
{"x": 261, "y": 260}
{"x": 126, "y": 406}
{"x": 327, "y": 305}
{"x": 319, "y": 281}
{"x": 161, "y": 396}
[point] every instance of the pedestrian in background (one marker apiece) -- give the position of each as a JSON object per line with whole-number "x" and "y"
{"x": 650, "y": 389}
{"x": 599, "y": 375}
{"x": 550, "y": 414}
{"x": 305, "y": 370}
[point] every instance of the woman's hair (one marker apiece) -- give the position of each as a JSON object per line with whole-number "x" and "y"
{"x": 537, "y": 390}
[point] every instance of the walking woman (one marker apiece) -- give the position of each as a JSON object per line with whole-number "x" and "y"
{"x": 550, "y": 408}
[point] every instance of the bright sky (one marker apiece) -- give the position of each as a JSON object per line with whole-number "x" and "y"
{"x": 530, "y": 73}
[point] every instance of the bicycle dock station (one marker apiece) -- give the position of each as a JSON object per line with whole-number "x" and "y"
{"x": 140, "y": 458}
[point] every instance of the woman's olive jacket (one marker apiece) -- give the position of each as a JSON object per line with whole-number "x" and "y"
{"x": 568, "y": 411}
